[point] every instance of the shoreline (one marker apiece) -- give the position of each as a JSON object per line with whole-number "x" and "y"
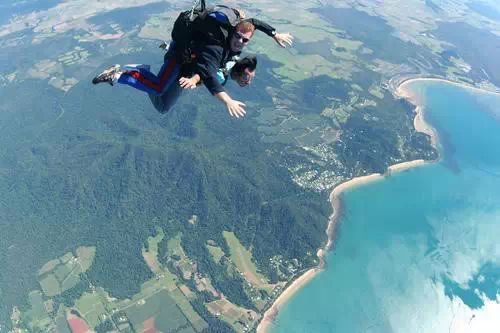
{"x": 476, "y": 89}
{"x": 400, "y": 91}
{"x": 336, "y": 202}
{"x": 269, "y": 316}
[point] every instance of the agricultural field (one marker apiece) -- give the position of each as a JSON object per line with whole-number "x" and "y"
{"x": 91, "y": 306}
{"x": 160, "y": 304}
{"x": 160, "y": 309}
{"x": 61, "y": 274}
{"x": 216, "y": 252}
{"x": 164, "y": 303}
{"x": 239, "y": 318}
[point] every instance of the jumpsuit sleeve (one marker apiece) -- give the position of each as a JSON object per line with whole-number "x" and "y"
{"x": 207, "y": 64}
{"x": 262, "y": 26}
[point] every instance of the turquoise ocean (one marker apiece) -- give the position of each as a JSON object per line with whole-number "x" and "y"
{"x": 418, "y": 251}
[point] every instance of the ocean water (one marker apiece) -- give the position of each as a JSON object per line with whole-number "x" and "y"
{"x": 418, "y": 251}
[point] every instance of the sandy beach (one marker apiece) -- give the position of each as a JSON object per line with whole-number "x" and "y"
{"x": 458, "y": 84}
{"x": 271, "y": 314}
{"x": 419, "y": 123}
{"x": 420, "y": 126}
{"x": 404, "y": 166}
{"x": 302, "y": 280}
{"x": 403, "y": 91}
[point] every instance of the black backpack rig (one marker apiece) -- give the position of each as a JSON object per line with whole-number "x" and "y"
{"x": 195, "y": 24}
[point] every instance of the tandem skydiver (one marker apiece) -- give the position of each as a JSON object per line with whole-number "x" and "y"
{"x": 241, "y": 70}
{"x": 218, "y": 35}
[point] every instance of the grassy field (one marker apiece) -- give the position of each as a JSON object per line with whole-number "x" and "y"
{"x": 71, "y": 279}
{"x": 38, "y": 315}
{"x": 37, "y": 308}
{"x": 160, "y": 306}
{"x": 67, "y": 257}
{"x": 91, "y": 308}
{"x": 194, "y": 318}
{"x": 242, "y": 258}
{"x": 176, "y": 252}
{"x": 61, "y": 322}
{"x": 174, "y": 247}
{"x": 166, "y": 280}
{"x": 151, "y": 253}
{"x": 232, "y": 314}
{"x": 216, "y": 252}
{"x": 153, "y": 301}
{"x": 63, "y": 273}
{"x": 85, "y": 256}
{"x": 49, "y": 266}
{"x": 50, "y": 285}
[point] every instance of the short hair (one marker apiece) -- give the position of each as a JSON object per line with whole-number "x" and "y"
{"x": 245, "y": 26}
{"x": 239, "y": 67}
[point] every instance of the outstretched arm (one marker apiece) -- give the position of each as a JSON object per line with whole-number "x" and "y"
{"x": 209, "y": 57}
{"x": 283, "y": 39}
{"x": 235, "y": 108}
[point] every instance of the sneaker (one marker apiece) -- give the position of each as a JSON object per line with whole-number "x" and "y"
{"x": 107, "y": 75}
{"x": 165, "y": 46}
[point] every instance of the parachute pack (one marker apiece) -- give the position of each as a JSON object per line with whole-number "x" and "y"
{"x": 213, "y": 23}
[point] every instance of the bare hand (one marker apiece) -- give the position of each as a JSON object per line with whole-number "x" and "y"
{"x": 187, "y": 83}
{"x": 235, "y": 108}
{"x": 284, "y": 39}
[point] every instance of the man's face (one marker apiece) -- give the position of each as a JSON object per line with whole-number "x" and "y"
{"x": 245, "y": 78}
{"x": 239, "y": 40}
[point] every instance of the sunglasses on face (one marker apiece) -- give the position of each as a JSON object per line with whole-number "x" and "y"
{"x": 237, "y": 35}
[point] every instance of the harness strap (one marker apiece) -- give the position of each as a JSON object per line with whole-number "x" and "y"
{"x": 193, "y": 8}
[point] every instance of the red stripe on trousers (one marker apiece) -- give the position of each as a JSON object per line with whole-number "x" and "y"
{"x": 158, "y": 87}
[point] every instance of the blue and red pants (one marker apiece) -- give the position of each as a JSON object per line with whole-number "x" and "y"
{"x": 140, "y": 77}
{"x": 163, "y": 89}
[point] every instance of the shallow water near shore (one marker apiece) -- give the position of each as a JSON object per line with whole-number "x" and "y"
{"x": 418, "y": 251}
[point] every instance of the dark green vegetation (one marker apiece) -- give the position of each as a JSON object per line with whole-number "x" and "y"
{"x": 358, "y": 149}
{"x": 375, "y": 34}
{"x": 98, "y": 166}
{"x": 322, "y": 48}
{"x": 476, "y": 46}
{"x": 111, "y": 170}
{"x": 108, "y": 176}
{"x": 104, "y": 327}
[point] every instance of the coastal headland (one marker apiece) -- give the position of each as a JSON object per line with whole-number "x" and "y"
{"x": 402, "y": 90}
